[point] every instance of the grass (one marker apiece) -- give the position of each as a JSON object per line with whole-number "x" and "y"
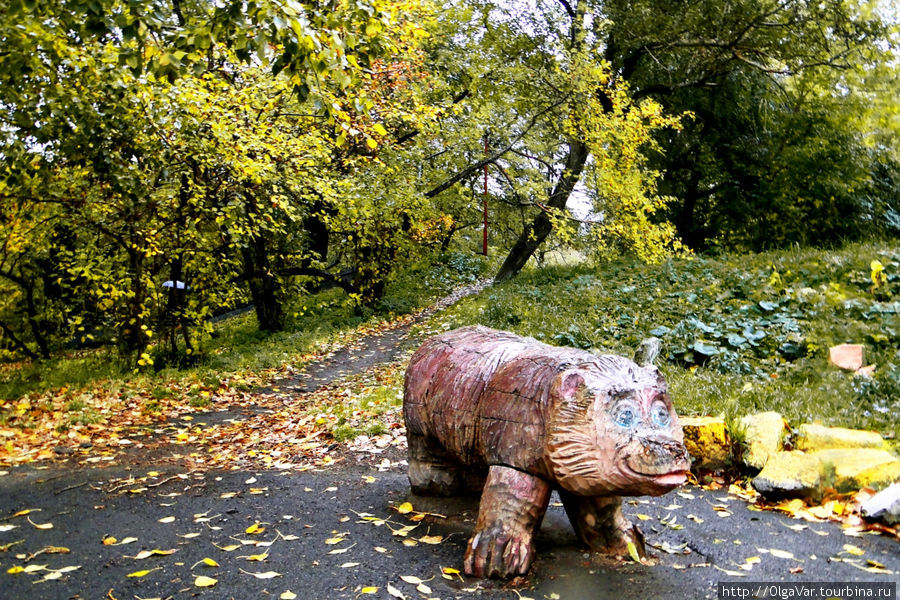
{"x": 740, "y": 334}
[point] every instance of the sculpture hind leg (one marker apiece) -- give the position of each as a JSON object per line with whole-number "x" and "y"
{"x": 512, "y": 507}
{"x": 430, "y": 472}
{"x": 600, "y": 524}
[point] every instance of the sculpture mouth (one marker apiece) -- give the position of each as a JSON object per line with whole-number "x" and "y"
{"x": 669, "y": 479}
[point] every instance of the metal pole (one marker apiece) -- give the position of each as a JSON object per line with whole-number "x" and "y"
{"x": 485, "y": 229}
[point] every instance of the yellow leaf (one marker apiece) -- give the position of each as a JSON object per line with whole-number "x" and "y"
{"x": 410, "y": 542}
{"x": 405, "y": 508}
{"x": 334, "y": 540}
{"x": 255, "y": 528}
{"x": 780, "y": 553}
{"x": 369, "y": 590}
{"x": 372, "y": 144}
{"x": 167, "y": 520}
{"x": 204, "y": 581}
{"x": 206, "y": 561}
{"x": 109, "y": 540}
{"x": 349, "y": 565}
{"x": 643, "y": 517}
{"x": 22, "y": 513}
{"x": 851, "y": 549}
{"x": 257, "y": 557}
{"x": 431, "y": 539}
{"x": 142, "y": 573}
{"x": 633, "y": 553}
{"x": 16, "y": 569}
{"x": 288, "y": 595}
{"x": 228, "y": 548}
{"x": 379, "y": 129}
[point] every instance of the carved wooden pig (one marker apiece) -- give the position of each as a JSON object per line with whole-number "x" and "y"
{"x": 524, "y": 418}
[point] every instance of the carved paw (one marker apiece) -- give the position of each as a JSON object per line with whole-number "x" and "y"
{"x": 498, "y": 553}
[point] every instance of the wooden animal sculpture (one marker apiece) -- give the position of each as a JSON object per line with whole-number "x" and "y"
{"x": 489, "y": 410}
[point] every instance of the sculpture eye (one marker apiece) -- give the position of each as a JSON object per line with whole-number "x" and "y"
{"x": 626, "y": 415}
{"x": 659, "y": 414}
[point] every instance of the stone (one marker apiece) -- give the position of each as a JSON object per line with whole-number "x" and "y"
{"x": 849, "y": 357}
{"x": 812, "y": 437}
{"x": 878, "y": 477}
{"x": 790, "y": 475}
{"x": 843, "y": 464}
{"x": 525, "y": 418}
{"x": 764, "y": 436}
{"x": 707, "y": 441}
{"x": 885, "y": 505}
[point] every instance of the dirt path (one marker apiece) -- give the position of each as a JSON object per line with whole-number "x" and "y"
{"x": 367, "y": 352}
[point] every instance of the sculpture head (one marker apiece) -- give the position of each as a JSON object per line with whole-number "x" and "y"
{"x": 613, "y": 431}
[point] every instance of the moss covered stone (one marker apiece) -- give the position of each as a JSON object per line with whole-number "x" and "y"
{"x": 790, "y": 474}
{"x": 811, "y": 438}
{"x": 763, "y": 435}
{"x": 707, "y": 440}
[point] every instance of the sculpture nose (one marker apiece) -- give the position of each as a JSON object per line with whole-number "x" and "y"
{"x": 659, "y": 456}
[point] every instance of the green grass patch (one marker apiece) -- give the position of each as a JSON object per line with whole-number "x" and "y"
{"x": 740, "y": 333}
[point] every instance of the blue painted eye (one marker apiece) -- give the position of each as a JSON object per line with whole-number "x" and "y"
{"x": 626, "y": 416}
{"x": 659, "y": 414}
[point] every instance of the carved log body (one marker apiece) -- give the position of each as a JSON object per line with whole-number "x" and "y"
{"x": 490, "y": 410}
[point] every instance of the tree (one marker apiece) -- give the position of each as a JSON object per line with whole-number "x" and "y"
{"x": 677, "y": 55}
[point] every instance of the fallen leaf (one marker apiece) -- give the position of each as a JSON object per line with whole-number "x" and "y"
{"x": 349, "y": 565}
{"x": 254, "y": 529}
{"x": 405, "y": 508}
{"x": 206, "y": 561}
{"x": 287, "y": 595}
{"x": 204, "y": 581}
{"x": 369, "y": 590}
{"x": 142, "y": 573}
{"x": 633, "y": 553}
{"x": 7, "y": 527}
{"x": 854, "y": 550}
{"x": 266, "y": 575}
{"x": 395, "y": 592}
{"x": 35, "y": 568}
{"x": 16, "y": 569}
{"x": 167, "y": 520}
{"x": 781, "y": 553}
{"x": 643, "y": 517}
{"x": 334, "y": 540}
{"x": 189, "y": 536}
{"x": 40, "y": 525}
{"x": 257, "y": 557}
{"x": 423, "y": 589}
{"x": 228, "y": 548}
{"x": 412, "y": 579}
{"x": 431, "y": 539}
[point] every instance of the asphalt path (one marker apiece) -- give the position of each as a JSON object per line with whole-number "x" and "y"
{"x": 337, "y": 533}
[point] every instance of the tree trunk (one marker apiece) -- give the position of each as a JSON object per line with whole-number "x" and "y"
{"x": 535, "y": 233}
{"x": 265, "y": 289}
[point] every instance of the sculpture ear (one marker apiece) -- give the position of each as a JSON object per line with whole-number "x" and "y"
{"x": 569, "y": 383}
{"x": 658, "y": 376}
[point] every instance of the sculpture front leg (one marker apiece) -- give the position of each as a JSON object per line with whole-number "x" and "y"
{"x": 600, "y": 524}
{"x": 512, "y": 506}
